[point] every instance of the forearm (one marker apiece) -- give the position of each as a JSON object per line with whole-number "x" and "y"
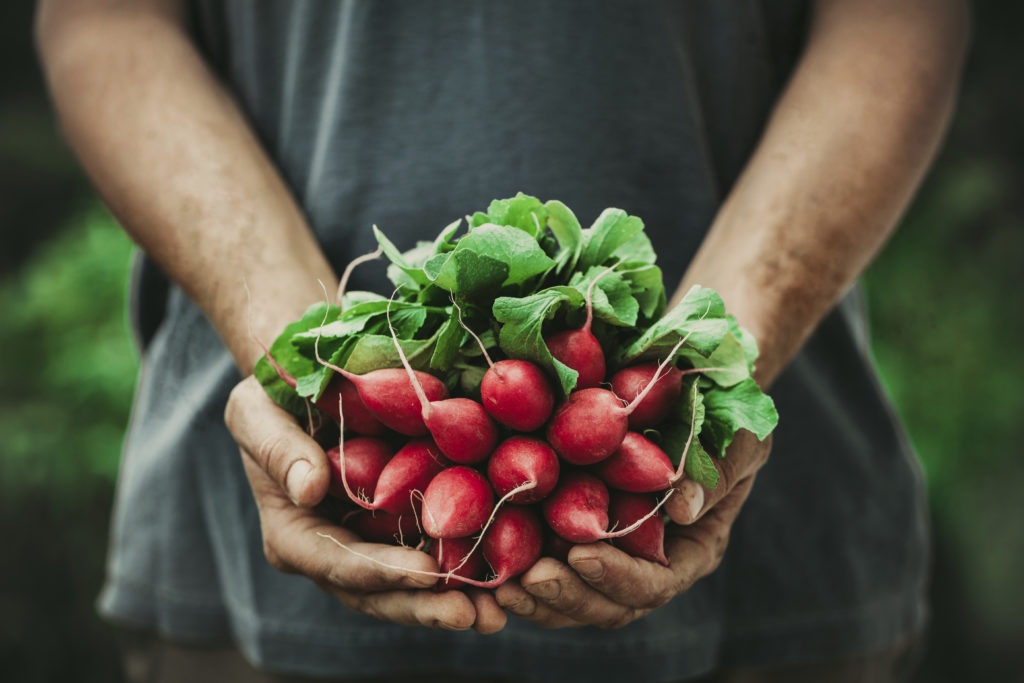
{"x": 845, "y": 148}
{"x": 177, "y": 163}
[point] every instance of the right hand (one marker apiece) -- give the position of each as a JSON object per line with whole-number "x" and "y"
{"x": 289, "y": 474}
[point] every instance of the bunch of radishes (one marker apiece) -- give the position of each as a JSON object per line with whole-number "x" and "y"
{"x": 488, "y": 465}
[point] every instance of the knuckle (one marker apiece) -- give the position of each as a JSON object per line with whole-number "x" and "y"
{"x": 274, "y": 558}
{"x": 233, "y": 407}
{"x": 659, "y": 598}
{"x": 270, "y": 454}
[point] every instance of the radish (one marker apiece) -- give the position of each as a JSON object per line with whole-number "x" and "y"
{"x": 629, "y": 382}
{"x": 410, "y": 470}
{"x": 460, "y": 426}
{"x": 648, "y": 539}
{"x": 516, "y": 393}
{"x": 357, "y": 416}
{"x": 521, "y": 459}
{"x": 378, "y": 526}
{"x": 365, "y": 458}
{"x": 588, "y": 427}
{"x": 511, "y": 546}
{"x": 454, "y": 557}
{"x": 637, "y": 465}
{"x": 513, "y": 543}
{"x": 577, "y": 510}
{"x": 457, "y": 503}
{"x": 580, "y": 349}
{"x": 592, "y": 423}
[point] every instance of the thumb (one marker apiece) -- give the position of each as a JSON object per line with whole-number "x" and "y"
{"x": 272, "y": 439}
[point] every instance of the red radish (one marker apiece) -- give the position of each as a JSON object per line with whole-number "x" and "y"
{"x": 577, "y": 510}
{"x": 357, "y": 416}
{"x": 457, "y": 503}
{"x": 521, "y": 459}
{"x": 637, "y": 465}
{"x": 517, "y": 394}
{"x": 647, "y": 540}
{"x": 580, "y": 349}
{"x": 392, "y": 398}
{"x": 460, "y": 426}
{"x": 513, "y": 543}
{"x": 378, "y": 526}
{"x": 458, "y": 557}
{"x": 588, "y": 427}
{"x": 591, "y": 424}
{"x": 511, "y": 546}
{"x": 629, "y": 382}
{"x": 410, "y": 469}
{"x": 365, "y": 458}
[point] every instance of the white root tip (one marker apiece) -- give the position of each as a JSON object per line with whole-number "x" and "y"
{"x": 612, "y": 533}
{"x": 343, "y": 284}
{"x": 407, "y": 570}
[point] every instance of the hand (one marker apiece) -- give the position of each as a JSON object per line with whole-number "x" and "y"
{"x": 605, "y": 587}
{"x": 288, "y": 473}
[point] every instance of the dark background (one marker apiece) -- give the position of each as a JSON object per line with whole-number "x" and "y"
{"x": 946, "y": 309}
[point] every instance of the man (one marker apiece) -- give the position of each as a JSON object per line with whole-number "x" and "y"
{"x": 255, "y": 142}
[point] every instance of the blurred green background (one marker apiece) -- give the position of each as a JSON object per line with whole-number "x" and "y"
{"x": 946, "y": 311}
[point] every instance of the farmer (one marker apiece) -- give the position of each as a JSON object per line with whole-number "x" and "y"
{"x": 769, "y": 147}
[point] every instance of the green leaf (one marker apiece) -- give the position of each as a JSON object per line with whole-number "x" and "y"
{"x": 612, "y": 298}
{"x": 521, "y": 334}
{"x": 684, "y": 409}
{"x": 742, "y": 406}
{"x": 449, "y": 340}
{"x": 566, "y": 229}
{"x": 699, "y": 317}
{"x": 443, "y": 242}
{"x": 522, "y": 211}
{"x": 612, "y": 229}
{"x": 699, "y": 467}
{"x": 746, "y": 340}
{"x": 636, "y": 251}
{"x": 415, "y": 276}
{"x": 465, "y": 273}
{"x": 645, "y": 282}
{"x": 374, "y": 351}
{"x": 511, "y": 247}
{"x": 730, "y": 356}
{"x": 353, "y": 298}
{"x": 408, "y": 321}
{"x": 291, "y": 359}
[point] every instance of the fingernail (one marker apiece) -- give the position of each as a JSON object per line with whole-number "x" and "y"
{"x": 693, "y": 494}
{"x": 546, "y": 590}
{"x": 296, "y": 478}
{"x": 523, "y": 608}
{"x": 589, "y": 569}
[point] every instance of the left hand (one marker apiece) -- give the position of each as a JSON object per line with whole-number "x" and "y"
{"x": 605, "y": 587}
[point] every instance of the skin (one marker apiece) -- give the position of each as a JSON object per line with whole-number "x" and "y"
{"x": 837, "y": 165}
{"x": 175, "y": 160}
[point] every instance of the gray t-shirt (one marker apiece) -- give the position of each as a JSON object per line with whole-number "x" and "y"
{"x": 408, "y": 114}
